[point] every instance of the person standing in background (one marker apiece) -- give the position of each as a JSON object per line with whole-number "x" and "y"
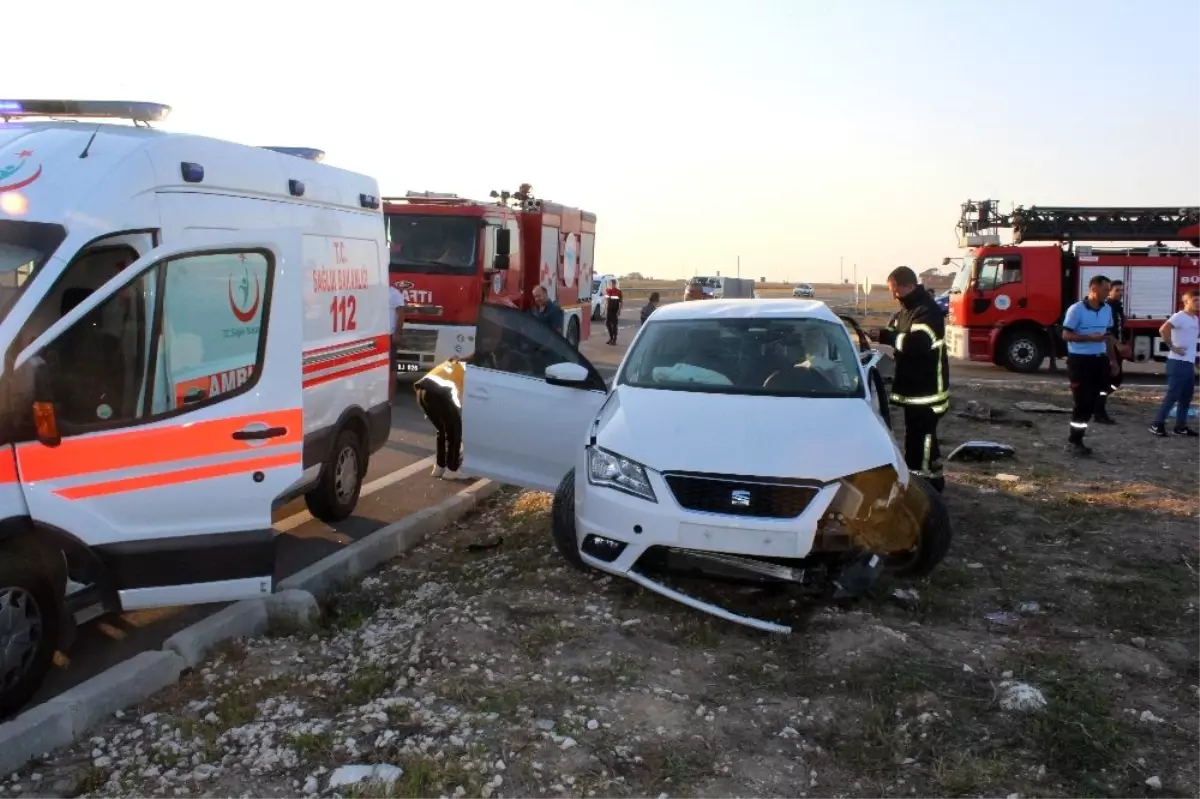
{"x": 1091, "y": 357}
{"x": 694, "y": 291}
{"x": 650, "y": 307}
{"x": 614, "y": 299}
{"x": 1116, "y": 297}
{"x": 546, "y": 310}
{"x": 1179, "y": 334}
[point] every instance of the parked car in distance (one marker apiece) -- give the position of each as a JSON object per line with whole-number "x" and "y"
{"x": 803, "y": 290}
{"x": 943, "y": 301}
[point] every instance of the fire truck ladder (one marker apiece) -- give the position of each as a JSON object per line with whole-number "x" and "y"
{"x": 1083, "y": 224}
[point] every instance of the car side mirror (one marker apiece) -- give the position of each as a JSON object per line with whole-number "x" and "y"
{"x": 503, "y": 249}
{"x": 35, "y": 386}
{"x": 567, "y": 374}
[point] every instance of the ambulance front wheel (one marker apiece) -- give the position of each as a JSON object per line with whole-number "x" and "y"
{"x": 336, "y": 493}
{"x": 30, "y": 621}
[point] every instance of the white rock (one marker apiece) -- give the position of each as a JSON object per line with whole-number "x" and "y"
{"x": 104, "y": 761}
{"x": 1008, "y": 478}
{"x": 593, "y": 724}
{"x": 1154, "y": 782}
{"x": 499, "y": 765}
{"x": 567, "y": 743}
{"x": 1150, "y": 717}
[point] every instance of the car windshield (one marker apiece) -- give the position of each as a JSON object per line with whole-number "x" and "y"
{"x": 24, "y": 248}
{"x": 802, "y": 357}
{"x": 595, "y": 286}
{"x": 962, "y": 276}
{"x": 432, "y": 244}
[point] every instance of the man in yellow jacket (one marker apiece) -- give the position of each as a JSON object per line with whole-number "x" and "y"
{"x": 439, "y": 393}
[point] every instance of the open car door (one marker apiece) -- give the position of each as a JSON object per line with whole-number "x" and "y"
{"x": 521, "y": 425}
{"x": 871, "y": 359}
{"x": 176, "y": 392}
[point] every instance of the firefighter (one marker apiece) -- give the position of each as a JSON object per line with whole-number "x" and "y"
{"x": 1116, "y": 296}
{"x": 614, "y": 299}
{"x": 1091, "y": 357}
{"x": 921, "y": 385}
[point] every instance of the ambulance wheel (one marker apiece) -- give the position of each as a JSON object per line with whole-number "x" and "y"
{"x": 934, "y": 543}
{"x": 879, "y": 397}
{"x": 335, "y": 496}
{"x": 573, "y": 332}
{"x": 562, "y": 521}
{"x": 30, "y": 622}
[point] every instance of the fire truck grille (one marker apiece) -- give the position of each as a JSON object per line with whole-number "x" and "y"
{"x": 741, "y": 496}
{"x": 417, "y": 341}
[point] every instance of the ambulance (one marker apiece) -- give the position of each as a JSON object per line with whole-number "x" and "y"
{"x": 194, "y": 332}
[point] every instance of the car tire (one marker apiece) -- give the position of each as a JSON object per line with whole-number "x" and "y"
{"x": 1022, "y": 351}
{"x": 28, "y": 599}
{"x": 934, "y": 542}
{"x": 883, "y": 404}
{"x": 595, "y": 313}
{"x": 336, "y": 493}
{"x": 562, "y": 521}
{"x": 573, "y": 332}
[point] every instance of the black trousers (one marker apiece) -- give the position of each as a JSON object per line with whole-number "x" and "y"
{"x": 922, "y": 454}
{"x": 612, "y": 319}
{"x": 447, "y": 420}
{"x": 1089, "y": 376}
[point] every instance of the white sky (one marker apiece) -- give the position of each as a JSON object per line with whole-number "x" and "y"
{"x": 791, "y": 132}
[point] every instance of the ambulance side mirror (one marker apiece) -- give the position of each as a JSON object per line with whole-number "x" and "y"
{"x": 503, "y": 248}
{"x": 35, "y": 379}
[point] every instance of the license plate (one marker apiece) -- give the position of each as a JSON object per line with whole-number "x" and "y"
{"x": 408, "y": 367}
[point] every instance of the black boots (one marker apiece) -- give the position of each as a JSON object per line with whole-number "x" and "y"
{"x": 1101, "y": 415}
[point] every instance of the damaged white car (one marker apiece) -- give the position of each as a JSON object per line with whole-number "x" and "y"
{"x": 739, "y": 438}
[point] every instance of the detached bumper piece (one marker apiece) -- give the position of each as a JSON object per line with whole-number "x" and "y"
{"x": 707, "y": 607}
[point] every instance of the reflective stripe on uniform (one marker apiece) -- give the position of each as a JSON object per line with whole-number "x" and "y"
{"x": 932, "y": 399}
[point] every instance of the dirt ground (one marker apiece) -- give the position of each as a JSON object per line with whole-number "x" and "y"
{"x": 1054, "y": 652}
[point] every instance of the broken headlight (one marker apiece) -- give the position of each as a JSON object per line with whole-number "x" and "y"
{"x": 613, "y": 471}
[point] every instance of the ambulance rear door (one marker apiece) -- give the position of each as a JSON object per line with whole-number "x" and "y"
{"x": 172, "y": 455}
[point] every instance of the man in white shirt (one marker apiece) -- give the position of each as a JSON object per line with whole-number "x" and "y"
{"x": 1180, "y": 333}
{"x": 395, "y": 325}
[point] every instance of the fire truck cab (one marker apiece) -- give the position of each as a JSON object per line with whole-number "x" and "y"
{"x": 449, "y": 254}
{"x": 1008, "y": 299}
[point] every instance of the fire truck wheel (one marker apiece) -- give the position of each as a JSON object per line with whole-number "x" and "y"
{"x": 879, "y": 397}
{"x": 562, "y": 521}
{"x": 30, "y": 620}
{"x": 934, "y": 542}
{"x": 1022, "y": 351}
{"x": 336, "y": 494}
{"x": 573, "y": 332}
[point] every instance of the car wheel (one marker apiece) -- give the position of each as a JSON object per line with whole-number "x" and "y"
{"x": 30, "y": 623}
{"x": 1022, "y": 351}
{"x": 562, "y": 521}
{"x": 573, "y": 332}
{"x": 879, "y": 397}
{"x": 336, "y": 494}
{"x": 934, "y": 542}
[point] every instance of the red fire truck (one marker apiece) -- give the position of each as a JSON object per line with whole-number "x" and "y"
{"x": 449, "y": 254}
{"x": 1007, "y": 299}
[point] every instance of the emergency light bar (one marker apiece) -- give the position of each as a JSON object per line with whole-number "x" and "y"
{"x": 84, "y": 109}
{"x": 307, "y": 153}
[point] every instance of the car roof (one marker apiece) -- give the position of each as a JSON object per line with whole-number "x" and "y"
{"x": 746, "y": 309}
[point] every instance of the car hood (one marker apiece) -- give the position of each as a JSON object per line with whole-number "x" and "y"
{"x": 815, "y": 439}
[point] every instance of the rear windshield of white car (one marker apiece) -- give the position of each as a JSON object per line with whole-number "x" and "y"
{"x": 776, "y": 357}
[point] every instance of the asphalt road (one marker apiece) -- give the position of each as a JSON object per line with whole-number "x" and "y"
{"x": 111, "y": 639}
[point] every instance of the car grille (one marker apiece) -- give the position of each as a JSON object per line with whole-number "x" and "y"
{"x": 417, "y": 341}
{"x": 741, "y": 496}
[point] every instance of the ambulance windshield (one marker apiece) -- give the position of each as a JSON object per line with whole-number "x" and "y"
{"x": 432, "y": 244}
{"x": 24, "y": 247}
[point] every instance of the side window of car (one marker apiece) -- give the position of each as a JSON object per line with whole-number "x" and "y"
{"x": 508, "y": 340}
{"x": 184, "y": 332}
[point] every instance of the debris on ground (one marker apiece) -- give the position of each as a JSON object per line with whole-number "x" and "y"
{"x": 507, "y": 672}
{"x": 981, "y": 451}
{"x": 1040, "y": 407}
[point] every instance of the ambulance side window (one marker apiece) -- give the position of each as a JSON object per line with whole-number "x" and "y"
{"x": 213, "y": 307}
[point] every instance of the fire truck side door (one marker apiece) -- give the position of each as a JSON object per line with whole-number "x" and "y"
{"x": 517, "y": 427}
{"x": 171, "y": 456}
{"x": 1000, "y": 286}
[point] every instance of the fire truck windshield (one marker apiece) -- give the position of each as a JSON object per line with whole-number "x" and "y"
{"x": 432, "y": 244}
{"x": 24, "y": 248}
{"x": 963, "y": 276}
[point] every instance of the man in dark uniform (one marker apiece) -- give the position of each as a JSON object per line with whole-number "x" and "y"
{"x": 614, "y": 299}
{"x": 921, "y": 384}
{"x": 1116, "y": 297}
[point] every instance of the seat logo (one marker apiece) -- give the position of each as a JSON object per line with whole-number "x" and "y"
{"x": 11, "y": 172}
{"x": 740, "y": 499}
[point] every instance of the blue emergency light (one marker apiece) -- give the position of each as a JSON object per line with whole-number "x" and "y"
{"x": 307, "y": 153}
{"x": 84, "y": 109}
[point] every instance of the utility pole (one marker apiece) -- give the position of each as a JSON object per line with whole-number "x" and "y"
{"x": 739, "y": 266}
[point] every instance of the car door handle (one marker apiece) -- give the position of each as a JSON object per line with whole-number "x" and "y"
{"x": 259, "y": 435}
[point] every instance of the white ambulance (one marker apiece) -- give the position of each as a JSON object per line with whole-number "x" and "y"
{"x": 193, "y": 332}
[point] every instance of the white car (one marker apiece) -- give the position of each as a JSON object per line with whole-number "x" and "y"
{"x": 803, "y": 290}
{"x": 600, "y": 284}
{"x": 800, "y": 482}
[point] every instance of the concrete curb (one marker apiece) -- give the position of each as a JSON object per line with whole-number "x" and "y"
{"x": 66, "y": 718}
